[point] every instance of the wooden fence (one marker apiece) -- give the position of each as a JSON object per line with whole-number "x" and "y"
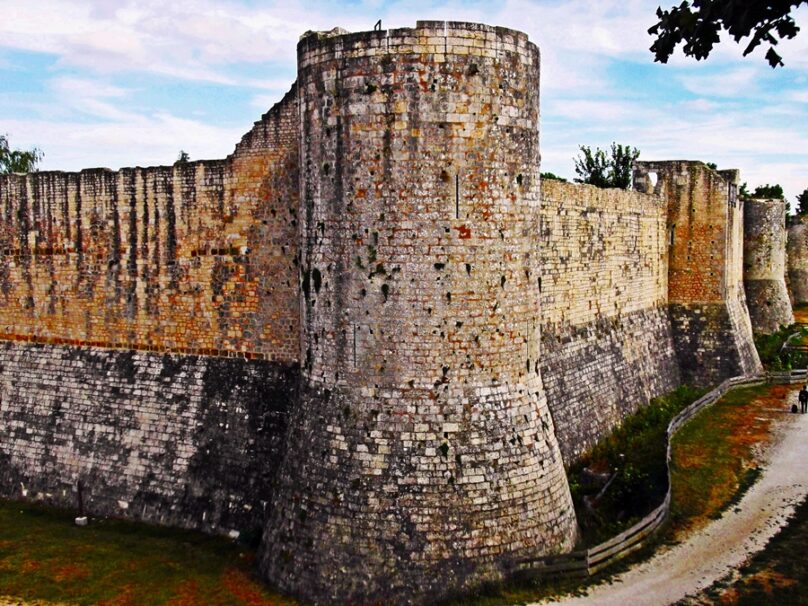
{"x": 587, "y": 562}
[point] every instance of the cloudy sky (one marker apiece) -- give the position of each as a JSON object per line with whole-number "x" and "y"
{"x": 119, "y": 83}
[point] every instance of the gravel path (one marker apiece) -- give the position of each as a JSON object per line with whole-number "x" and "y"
{"x": 725, "y": 544}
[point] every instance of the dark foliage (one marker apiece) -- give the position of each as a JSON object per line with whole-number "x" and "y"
{"x": 699, "y": 26}
{"x": 802, "y": 203}
{"x": 555, "y": 177}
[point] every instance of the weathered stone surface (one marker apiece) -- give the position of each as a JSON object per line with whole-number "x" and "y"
{"x": 607, "y": 346}
{"x": 182, "y": 440}
{"x": 197, "y": 258}
{"x": 798, "y": 262}
{"x": 374, "y": 263}
{"x": 423, "y": 454}
{"x": 764, "y": 265}
{"x": 712, "y": 331}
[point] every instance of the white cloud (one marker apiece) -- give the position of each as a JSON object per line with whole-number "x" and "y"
{"x": 145, "y": 141}
{"x": 700, "y": 105}
{"x": 730, "y": 83}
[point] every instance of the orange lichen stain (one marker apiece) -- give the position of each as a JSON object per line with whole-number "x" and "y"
{"x": 29, "y": 566}
{"x": 187, "y": 595}
{"x": 244, "y": 588}
{"x": 69, "y": 572}
{"x": 360, "y": 194}
{"x": 464, "y": 232}
{"x": 124, "y": 598}
{"x": 766, "y": 580}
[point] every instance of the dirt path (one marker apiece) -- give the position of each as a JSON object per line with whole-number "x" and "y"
{"x": 725, "y": 544}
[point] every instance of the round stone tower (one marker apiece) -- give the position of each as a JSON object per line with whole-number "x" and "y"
{"x": 798, "y": 262}
{"x": 422, "y": 457}
{"x": 764, "y": 264}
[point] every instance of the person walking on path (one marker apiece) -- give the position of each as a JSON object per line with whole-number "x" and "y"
{"x": 804, "y": 399}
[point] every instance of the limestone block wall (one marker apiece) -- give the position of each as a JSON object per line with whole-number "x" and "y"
{"x": 190, "y": 441}
{"x": 422, "y": 453}
{"x": 607, "y": 346}
{"x": 192, "y": 258}
{"x": 764, "y": 256}
{"x": 797, "y": 249}
{"x": 102, "y": 275}
{"x": 712, "y": 331}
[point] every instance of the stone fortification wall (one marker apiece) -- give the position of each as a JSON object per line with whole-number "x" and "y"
{"x": 607, "y": 346}
{"x": 422, "y": 453}
{"x": 195, "y": 258}
{"x": 102, "y": 270}
{"x": 764, "y": 264}
{"x": 712, "y": 331}
{"x": 797, "y": 249}
{"x": 190, "y": 441}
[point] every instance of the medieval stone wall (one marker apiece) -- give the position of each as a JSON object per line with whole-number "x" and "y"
{"x": 797, "y": 248}
{"x": 197, "y": 258}
{"x": 363, "y": 324}
{"x": 712, "y": 331}
{"x": 423, "y": 446}
{"x": 764, "y": 264}
{"x": 607, "y": 346}
{"x": 190, "y": 441}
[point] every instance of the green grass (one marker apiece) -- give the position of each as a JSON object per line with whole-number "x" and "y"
{"x": 43, "y": 555}
{"x": 777, "y": 358}
{"x": 636, "y": 450}
{"x": 712, "y": 454}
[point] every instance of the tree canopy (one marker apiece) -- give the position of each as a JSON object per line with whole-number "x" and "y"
{"x": 768, "y": 191}
{"x": 802, "y": 203}
{"x": 17, "y": 160}
{"x": 614, "y": 170}
{"x": 699, "y": 26}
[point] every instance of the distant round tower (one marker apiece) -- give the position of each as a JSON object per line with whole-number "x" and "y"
{"x": 798, "y": 262}
{"x": 764, "y": 264}
{"x": 422, "y": 457}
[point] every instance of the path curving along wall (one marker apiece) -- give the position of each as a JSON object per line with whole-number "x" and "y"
{"x": 764, "y": 264}
{"x": 422, "y": 456}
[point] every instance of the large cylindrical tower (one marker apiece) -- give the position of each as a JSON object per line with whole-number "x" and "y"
{"x": 764, "y": 264}
{"x": 422, "y": 457}
{"x": 798, "y": 262}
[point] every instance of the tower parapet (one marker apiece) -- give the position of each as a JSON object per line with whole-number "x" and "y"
{"x": 764, "y": 264}
{"x": 422, "y": 452}
{"x": 712, "y": 330}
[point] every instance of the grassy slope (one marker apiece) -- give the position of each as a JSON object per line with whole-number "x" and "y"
{"x": 44, "y": 556}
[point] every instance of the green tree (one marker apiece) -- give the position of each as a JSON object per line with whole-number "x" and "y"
{"x": 768, "y": 191}
{"x": 699, "y": 26}
{"x": 552, "y": 176}
{"x": 802, "y": 203}
{"x": 17, "y": 160}
{"x": 596, "y": 168}
{"x": 743, "y": 192}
